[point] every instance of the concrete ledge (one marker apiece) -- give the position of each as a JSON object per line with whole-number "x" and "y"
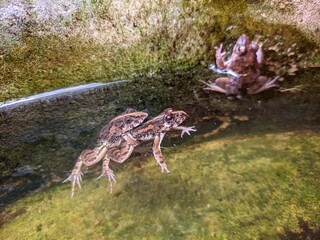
{"x": 70, "y": 91}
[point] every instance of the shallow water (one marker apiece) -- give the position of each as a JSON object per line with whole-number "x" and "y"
{"x": 250, "y": 171}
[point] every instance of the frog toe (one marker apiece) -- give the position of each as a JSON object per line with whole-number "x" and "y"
{"x": 164, "y": 168}
{"x": 74, "y": 178}
{"x": 109, "y": 174}
{"x": 187, "y": 130}
{"x": 211, "y": 86}
{"x": 270, "y": 83}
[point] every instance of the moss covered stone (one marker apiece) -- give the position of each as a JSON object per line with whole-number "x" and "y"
{"x": 107, "y": 41}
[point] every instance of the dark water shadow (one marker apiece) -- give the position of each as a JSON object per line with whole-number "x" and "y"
{"x": 306, "y": 233}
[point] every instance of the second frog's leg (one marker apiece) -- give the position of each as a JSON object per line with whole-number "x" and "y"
{"x": 158, "y": 154}
{"x": 117, "y": 155}
{"x": 225, "y": 85}
{"x": 76, "y": 174}
{"x": 87, "y": 157}
{"x": 107, "y": 172}
{"x": 95, "y": 155}
{"x": 262, "y": 83}
{"x": 123, "y": 153}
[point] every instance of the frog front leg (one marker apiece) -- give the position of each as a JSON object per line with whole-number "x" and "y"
{"x": 87, "y": 157}
{"x": 220, "y": 61}
{"x": 158, "y": 154}
{"x": 220, "y": 57}
{"x": 185, "y": 129}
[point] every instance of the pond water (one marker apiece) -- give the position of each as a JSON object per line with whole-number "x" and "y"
{"x": 251, "y": 171}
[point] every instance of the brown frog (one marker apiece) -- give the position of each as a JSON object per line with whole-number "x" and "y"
{"x": 109, "y": 137}
{"x": 243, "y": 67}
{"x": 154, "y": 129}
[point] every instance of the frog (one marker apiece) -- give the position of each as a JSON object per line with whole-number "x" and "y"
{"x": 154, "y": 129}
{"x": 243, "y": 68}
{"x": 109, "y": 137}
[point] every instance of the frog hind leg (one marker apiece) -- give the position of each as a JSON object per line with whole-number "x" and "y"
{"x": 76, "y": 174}
{"x": 87, "y": 157}
{"x": 225, "y": 85}
{"x": 123, "y": 153}
{"x": 107, "y": 172}
{"x": 115, "y": 154}
{"x": 213, "y": 86}
{"x": 158, "y": 154}
{"x": 261, "y": 84}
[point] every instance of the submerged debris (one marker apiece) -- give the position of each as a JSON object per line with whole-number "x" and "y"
{"x": 21, "y": 171}
{"x": 296, "y": 89}
{"x": 281, "y": 61}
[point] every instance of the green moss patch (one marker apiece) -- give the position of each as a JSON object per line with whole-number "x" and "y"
{"x": 262, "y": 186}
{"x": 144, "y": 41}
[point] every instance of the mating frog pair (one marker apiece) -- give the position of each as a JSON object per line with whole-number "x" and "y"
{"x": 122, "y": 134}
{"x": 243, "y": 67}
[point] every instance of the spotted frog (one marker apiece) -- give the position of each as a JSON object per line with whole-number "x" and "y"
{"x": 243, "y": 67}
{"x": 110, "y": 136}
{"x": 154, "y": 129}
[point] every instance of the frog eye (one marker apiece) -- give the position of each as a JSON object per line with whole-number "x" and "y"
{"x": 127, "y": 120}
{"x": 168, "y": 118}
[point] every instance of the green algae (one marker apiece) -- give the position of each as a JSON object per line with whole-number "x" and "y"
{"x": 235, "y": 187}
{"x": 241, "y": 187}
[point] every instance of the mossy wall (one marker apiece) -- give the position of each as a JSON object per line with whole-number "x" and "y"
{"x": 45, "y": 45}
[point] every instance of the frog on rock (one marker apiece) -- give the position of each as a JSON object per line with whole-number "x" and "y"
{"x": 243, "y": 67}
{"x": 110, "y": 136}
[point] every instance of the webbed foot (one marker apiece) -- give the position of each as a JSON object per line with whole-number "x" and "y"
{"x": 75, "y": 177}
{"x": 164, "y": 168}
{"x": 185, "y": 130}
{"x": 212, "y": 86}
{"x": 108, "y": 173}
{"x": 268, "y": 84}
{"x": 224, "y": 85}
